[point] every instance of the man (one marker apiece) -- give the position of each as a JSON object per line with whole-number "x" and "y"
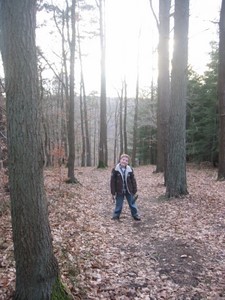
{"x": 123, "y": 184}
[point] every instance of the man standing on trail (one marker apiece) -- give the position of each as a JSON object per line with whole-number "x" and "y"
{"x": 123, "y": 184}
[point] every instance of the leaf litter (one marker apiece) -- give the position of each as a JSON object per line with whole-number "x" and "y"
{"x": 177, "y": 251}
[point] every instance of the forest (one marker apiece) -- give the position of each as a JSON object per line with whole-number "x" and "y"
{"x": 60, "y": 139}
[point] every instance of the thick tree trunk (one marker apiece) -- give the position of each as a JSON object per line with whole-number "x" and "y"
{"x": 221, "y": 93}
{"x": 163, "y": 83}
{"x": 176, "y": 160}
{"x": 36, "y": 267}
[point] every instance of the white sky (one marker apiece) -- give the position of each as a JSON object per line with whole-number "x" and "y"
{"x": 123, "y": 26}
{"x": 202, "y": 31}
{"x": 125, "y": 19}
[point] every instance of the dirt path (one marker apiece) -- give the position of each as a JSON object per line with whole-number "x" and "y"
{"x": 176, "y": 252}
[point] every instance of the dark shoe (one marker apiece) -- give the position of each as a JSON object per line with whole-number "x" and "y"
{"x": 115, "y": 218}
{"x": 137, "y": 218}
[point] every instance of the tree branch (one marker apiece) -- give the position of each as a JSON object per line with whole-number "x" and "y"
{"x": 153, "y": 12}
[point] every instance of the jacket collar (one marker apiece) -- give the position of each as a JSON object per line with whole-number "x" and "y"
{"x": 118, "y": 168}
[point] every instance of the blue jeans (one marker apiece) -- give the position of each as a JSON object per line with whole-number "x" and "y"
{"x": 119, "y": 205}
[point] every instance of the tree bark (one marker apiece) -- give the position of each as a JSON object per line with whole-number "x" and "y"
{"x": 221, "y": 93}
{"x": 176, "y": 160}
{"x": 87, "y": 150}
{"x": 125, "y": 118}
{"x": 163, "y": 83}
{"x": 121, "y": 120}
{"x": 103, "y": 149}
{"x": 83, "y": 151}
{"x": 71, "y": 128}
{"x": 115, "y": 156}
{"x": 134, "y": 150}
{"x": 36, "y": 266}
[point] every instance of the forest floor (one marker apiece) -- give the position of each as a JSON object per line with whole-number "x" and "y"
{"x": 177, "y": 250}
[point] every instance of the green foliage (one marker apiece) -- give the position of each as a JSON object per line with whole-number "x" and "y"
{"x": 59, "y": 291}
{"x": 146, "y": 145}
{"x": 146, "y": 132}
{"x": 202, "y": 113}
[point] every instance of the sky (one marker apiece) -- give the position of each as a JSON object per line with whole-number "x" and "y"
{"x": 204, "y": 16}
{"x": 135, "y": 15}
{"x": 131, "y": 43}
{"x": 131, "y": 29}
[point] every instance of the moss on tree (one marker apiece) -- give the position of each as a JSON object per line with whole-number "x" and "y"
{"x": 59, "y": 291}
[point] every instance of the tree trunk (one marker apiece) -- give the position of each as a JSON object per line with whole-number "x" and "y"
{"x": 65, "y": 87}
{"x": 163, "y": 83}
{"x": 85, "y": 114}
{"x": 71, "y": 129}
{"x": 125, "y": 118}
{"x": 103, "y": 149}
{"x": 176, "y": 161}
{"x": 134, "y": 151}
{"x": 115, "y": 156}
{"x": 36, "y": 267}
{"x": 83, "y": 151}
{"x": 121, "y": 120}
{"x": 221, "y": 93}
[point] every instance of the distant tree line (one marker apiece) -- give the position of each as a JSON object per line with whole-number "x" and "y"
{"x": 202, "y": 122}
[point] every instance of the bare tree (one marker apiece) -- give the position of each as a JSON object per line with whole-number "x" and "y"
{"x": 103, "y": 149}
{"x": 83, "y": 151}
{"x": 83, "y": 101}
{"x": 136, "y": 103}
{"x": 120, "y": 97}
{"x": 37, "y": 274}
{"x": 134, "y": 150}
{"x": 115, "y": 155}
{"x": 163, "y": 84}
{"x": 125, "y": 117}
{"x": 221, "y": 93}
{"x": 176, "y": 160}
{"x": 71, "y": 129}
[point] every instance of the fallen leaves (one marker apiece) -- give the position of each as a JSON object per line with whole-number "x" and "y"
{"x": 176, "y": 252}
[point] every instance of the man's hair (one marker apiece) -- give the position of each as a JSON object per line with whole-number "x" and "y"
{"x": 125, "y": 155}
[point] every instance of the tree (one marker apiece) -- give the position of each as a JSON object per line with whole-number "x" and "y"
{"x": 86, "y": 151}
{"x": 71, "y": 129}
{"x": 163, "y": 82}
{"x": 103, "y": 149}
{"x": 202, "y": 113}
{"x": 221, "y": 93}
{"x": 136, "y": 106}
{"x": 125, "y": 117}
{"x": 121, "y": 120}
{"x": 116, "y": 117}
{"x": 37, "y": 274}
{"x": 176, "y": 160}
{"x": 135, "y": 127}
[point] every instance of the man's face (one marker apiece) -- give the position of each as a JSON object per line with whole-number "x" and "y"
{"x": 124, "y": 161}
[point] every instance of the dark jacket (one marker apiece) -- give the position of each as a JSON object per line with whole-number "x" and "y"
{"x": 116, "y": 182}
